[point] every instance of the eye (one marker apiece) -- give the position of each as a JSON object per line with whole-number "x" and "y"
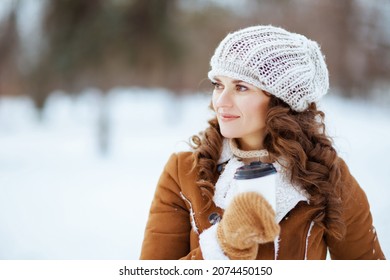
{"x": 216, "y": 85}
{"x": 241, "y": 88}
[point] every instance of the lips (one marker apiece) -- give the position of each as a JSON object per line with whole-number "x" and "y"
{"x": 227, "y": 117}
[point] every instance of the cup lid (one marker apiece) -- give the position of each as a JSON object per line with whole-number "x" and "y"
{"x": 253, "y": 170}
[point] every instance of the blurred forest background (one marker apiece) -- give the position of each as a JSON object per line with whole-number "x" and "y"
{"x": 96, "y": 94}
{"x": 74, "y": 44}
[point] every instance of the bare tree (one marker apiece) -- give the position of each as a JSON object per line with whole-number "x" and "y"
{"x": 9, "y": 51}
{"x": 103, "y": 44}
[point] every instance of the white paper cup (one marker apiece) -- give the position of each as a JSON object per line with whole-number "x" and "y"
{"x": 257, "y": 177}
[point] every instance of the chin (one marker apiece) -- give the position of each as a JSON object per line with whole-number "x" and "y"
{"x": 229, "y": 134}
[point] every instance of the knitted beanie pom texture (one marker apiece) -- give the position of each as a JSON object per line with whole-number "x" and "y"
{"x": 285, "y": 64}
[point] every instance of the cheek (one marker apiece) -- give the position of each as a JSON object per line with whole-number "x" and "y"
{"x": 263, "y": 108}
{"x": 213, "y": 102}
{"x": 258, "y": 110}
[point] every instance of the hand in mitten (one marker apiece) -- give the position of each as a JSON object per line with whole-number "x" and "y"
{"x": 248, "y": 220}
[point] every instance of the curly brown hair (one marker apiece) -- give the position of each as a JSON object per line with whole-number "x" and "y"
{"x": 297, "y": 140}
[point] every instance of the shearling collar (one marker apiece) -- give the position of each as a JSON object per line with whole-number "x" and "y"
{"x": 287, "y": 195}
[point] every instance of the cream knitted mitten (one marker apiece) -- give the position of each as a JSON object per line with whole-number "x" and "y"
{"x": 247, "y": 221}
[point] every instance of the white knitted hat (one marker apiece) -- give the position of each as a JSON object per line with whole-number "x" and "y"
{"x": 285, "y": 64}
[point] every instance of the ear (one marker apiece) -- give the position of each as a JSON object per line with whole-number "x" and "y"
{"x": 267, "y": 93}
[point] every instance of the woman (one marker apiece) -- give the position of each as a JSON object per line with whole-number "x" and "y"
{"x": 266, "y": 85}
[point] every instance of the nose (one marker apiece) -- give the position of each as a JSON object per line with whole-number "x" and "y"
{"x": 223, "y": 99}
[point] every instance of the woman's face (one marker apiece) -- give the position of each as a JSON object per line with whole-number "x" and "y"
{"x": 241, "y": 110}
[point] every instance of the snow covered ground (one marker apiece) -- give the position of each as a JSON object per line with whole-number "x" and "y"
{"x": 61, "y": 199}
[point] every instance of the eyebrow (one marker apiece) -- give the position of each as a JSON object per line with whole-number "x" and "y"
{"x": 234, "y": 81}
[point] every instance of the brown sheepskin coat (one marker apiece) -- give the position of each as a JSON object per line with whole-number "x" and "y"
{"x": 176, "y": 220}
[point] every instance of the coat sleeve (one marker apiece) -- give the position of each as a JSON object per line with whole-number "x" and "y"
{"x": 167, "y": 233}
{"x": 361, "y": 240}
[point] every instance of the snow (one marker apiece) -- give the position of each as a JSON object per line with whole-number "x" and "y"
{"x": 61, "y": 199}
